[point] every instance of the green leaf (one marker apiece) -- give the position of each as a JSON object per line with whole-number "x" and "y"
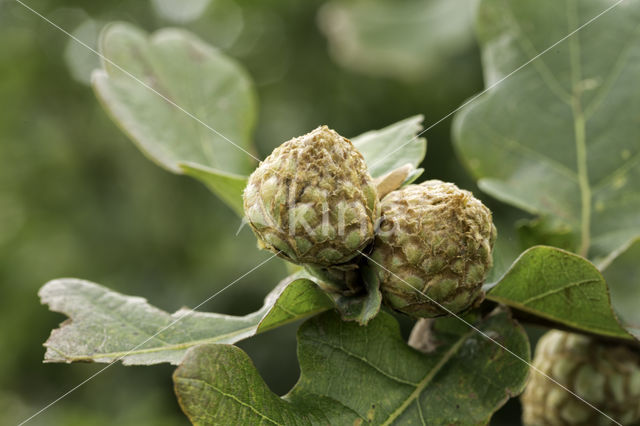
{"x": 540, "y": 231}
{"x": 557, "y": 137}
{"x": 208, "y": 392}
{"x": 196, "y": 113}
{"x": 105, "y": 325}
{"x": 559, "y": 286}
{"x": 623, "y": 276}
{"x": 413, "y": 176}
{"x": 227, "y": 186}
{"x": 407, "y": 40}
{"x": 351, "y": 374}
{"x": 394, "y": 146}
{"x": 505, "y": 250}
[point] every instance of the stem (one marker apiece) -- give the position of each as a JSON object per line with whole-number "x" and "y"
{"x": 579, "y": 128}
{"x": 583, "y": 177}
{"x": 335, "y": 280}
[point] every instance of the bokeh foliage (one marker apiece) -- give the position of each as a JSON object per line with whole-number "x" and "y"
{"x": 77, "y": 199}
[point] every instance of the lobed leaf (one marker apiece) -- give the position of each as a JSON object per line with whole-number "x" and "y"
{"x": 191, "y": 86}
{"x": 106, "y": 326}
{"x": 352, "y": 374}
{"x": 559, "y": 286}
{"x": 555, "y": 137}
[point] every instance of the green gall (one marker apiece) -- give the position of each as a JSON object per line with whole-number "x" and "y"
{"x": 432, "y": 250}
{"x": 606, "y": 376}
{"x": 312, "y": 200}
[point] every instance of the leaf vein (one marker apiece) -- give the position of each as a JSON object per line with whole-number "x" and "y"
{"x": 624, "y": 168}
{"x": 428, "y": 377}
{"x": 538, "y": 64}
{"x": 615, "y": 72}
{"x": 527, "y": 151}
{"x": 228, "y": 395}
{"x": 558, "y": 290}
{"x": 366, "y": 361}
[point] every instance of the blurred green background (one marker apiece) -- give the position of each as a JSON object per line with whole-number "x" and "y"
{"x": 77, "y": 199}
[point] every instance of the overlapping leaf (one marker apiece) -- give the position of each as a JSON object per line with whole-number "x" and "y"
{"x": 352, "y": 374}
{"x": 105, "y": 326}
{"x": 559, "y": 286}
{"x": 557, "y": 137}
